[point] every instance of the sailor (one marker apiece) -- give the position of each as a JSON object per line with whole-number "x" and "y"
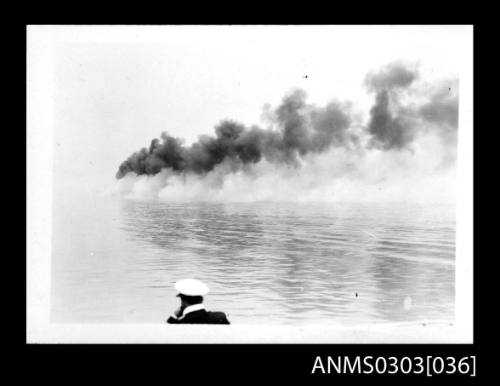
{"x": 192, "y": 310}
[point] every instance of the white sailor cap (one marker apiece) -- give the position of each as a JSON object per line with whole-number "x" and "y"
{"x": 191, "y": 287}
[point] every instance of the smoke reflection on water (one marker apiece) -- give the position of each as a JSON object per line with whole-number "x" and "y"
{"x": 272, "y": 263}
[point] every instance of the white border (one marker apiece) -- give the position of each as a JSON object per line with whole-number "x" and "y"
{"x": 464, "y": 210}
{"x": 39, "y": 178}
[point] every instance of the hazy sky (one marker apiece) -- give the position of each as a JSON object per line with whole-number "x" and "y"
{"x": 115, "y": 88}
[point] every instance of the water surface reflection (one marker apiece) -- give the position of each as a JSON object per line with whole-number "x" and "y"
{"x": 303, "y": 263}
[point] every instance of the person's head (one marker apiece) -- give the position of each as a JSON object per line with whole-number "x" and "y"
{"x": 187, "y": 301}
{"x": 191, "y": 291}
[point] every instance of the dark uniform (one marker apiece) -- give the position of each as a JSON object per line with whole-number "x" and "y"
{"x": 191, "y": 292}
{"x": 200, "y": 317}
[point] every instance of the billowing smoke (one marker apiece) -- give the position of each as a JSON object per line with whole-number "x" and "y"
{"x": 442, "y": 109}
{"x": 310, "y": 144}
{"x": 394, "y": 125}
{"x": 302, "y": 129}
{"x": 390, "y": 125}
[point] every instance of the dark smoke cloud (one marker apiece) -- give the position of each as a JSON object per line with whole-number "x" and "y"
{"x": 389, "y": 131}
{"x": 301, "y": 129}
{"x": 391, "y": 77}
{"x": 442, "y": 109}
{"x": 391, "y": 127}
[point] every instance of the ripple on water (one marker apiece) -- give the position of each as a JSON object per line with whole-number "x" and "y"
{"x": 264, "y": 262}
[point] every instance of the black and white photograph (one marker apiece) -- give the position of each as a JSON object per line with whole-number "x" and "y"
{"x": 249, "y": 184}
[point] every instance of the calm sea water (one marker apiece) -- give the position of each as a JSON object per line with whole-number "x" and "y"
{"x": 273, "y": 263}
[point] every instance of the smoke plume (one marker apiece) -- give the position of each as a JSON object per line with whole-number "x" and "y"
{"x": 327, "y": 142}
{"x": 302, "y": 129}
{"x": 394, "y": 125}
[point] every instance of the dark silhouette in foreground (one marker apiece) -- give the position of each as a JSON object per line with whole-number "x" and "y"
{"x": 192, "y": 310}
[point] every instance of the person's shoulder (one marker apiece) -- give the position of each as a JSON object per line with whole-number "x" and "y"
{"x": 217, "y": 317}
